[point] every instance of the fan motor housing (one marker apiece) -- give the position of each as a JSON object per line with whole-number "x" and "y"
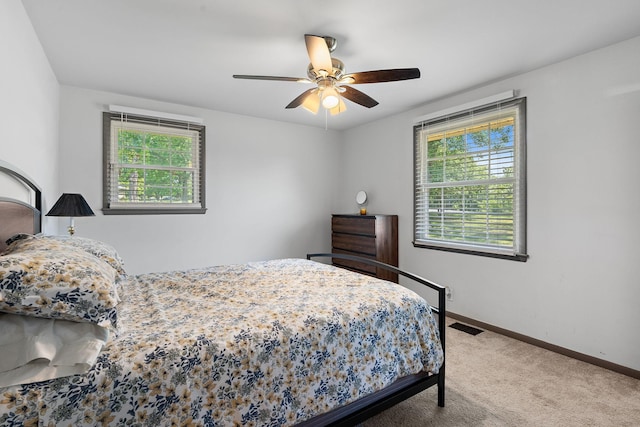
{"x": 336, "y": 73}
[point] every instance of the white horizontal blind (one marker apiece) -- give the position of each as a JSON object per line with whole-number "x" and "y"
{"x": 469, "y": 180}
{"x": 154, "y": 115}
{"x": 153, "y": 163}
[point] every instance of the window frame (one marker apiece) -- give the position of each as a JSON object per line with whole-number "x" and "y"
{"x": 198, "y": 207}
{"x": 518, "y": 251}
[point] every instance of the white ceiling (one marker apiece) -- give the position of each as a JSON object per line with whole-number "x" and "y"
{"x": 185, "y": 51}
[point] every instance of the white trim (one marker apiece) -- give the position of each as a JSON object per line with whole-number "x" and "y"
{"x": 149, "y": 113}
{"x": 469, "y": 105}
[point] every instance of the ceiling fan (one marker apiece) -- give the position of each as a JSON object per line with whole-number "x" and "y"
{"x": 328, "y": 74}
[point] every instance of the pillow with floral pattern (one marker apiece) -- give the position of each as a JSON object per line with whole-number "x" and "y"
{"x": 100, "y": 249}
{"x": 58, "y": 282}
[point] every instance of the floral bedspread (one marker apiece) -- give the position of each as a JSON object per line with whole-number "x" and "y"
{"x": 266, "y": 343}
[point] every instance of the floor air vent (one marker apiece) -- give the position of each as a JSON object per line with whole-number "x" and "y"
{"x": 465, "y": 328}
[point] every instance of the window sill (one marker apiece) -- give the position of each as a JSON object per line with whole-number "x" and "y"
{"x": 153, "y": 211}
{"x": 516, "y": 257}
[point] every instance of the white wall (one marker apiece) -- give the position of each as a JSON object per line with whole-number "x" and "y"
{"x": 29, "y": 106}
{"x": 271, "y": 188}
{"x": 580, "y": 288}
{"x": 269, "y": 191}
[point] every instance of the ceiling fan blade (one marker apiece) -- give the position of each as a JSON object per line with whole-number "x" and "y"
{"x": 380, "y": 76}
{"x": 300, "y": 100}
{"x": 282, "y": 79}
{"x": 340, "y": 108}
{"x": 318, "y": 53}
{"x": 358, "y": 97}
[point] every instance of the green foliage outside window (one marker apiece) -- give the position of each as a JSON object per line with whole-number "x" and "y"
{"x": 155, "y": 167}
{"x": 466, "y": 211}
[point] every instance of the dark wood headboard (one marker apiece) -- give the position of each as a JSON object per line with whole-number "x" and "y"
{"x": 16, "y": 215}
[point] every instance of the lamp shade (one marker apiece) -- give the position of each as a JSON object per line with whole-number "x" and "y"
{"x": 70, "y": 204}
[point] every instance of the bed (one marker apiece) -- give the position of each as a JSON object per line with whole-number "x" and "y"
{"x": 277, "y": 342}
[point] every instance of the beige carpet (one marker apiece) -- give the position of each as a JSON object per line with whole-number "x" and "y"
{"x": 493, "y": 380}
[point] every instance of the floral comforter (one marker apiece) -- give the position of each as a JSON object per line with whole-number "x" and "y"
{"x": 266, "y": 343}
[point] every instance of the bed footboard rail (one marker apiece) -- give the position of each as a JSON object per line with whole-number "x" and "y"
{"x": 440, "y": 309}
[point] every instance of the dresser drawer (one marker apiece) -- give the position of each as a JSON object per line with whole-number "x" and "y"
{"x": 354, "y": 243}
{"x": 370, "y": 236}
{"x": 354, "y": 265}
{"x": 358, "y": 225}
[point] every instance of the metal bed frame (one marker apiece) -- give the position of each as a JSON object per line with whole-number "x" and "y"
{"x": 19, "y": 216}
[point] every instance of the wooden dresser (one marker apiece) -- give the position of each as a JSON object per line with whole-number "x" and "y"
{"x": 369, "y": 236}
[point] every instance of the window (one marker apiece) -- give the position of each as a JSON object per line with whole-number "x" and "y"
{"x": 469, "y": 182}
{"x": 152, "y": 165}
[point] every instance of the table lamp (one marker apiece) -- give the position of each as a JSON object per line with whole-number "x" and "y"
{"x": 71, "y": 205}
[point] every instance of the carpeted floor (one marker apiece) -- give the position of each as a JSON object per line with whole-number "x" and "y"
{"x": 493, "y": 380}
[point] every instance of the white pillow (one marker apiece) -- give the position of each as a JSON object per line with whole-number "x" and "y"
{"x": 37, "y": 349}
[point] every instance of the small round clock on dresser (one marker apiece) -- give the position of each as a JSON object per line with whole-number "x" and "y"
{"x": 361, "y": 200}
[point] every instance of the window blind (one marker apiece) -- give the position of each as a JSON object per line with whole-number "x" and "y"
{"x": 152, "y": 165}
{"x": 469, "y": 192}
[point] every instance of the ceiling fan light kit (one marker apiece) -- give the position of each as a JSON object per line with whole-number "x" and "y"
{"x": 328, "y": 75}
{"x": 329, "y": 97}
